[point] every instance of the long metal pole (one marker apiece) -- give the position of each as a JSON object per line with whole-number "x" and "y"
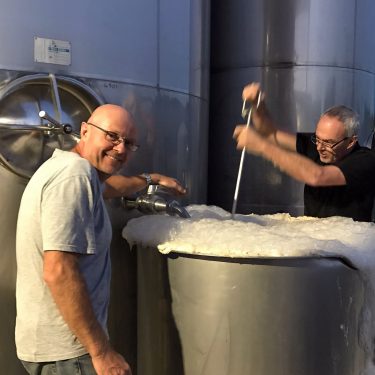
{"x": 235, "y": 199}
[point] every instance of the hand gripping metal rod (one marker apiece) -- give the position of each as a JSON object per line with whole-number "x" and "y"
{"x": 245, "y": 111}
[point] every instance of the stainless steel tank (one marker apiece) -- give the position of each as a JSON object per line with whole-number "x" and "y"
{"x": 216, "y": 315}
{"x": 11, "y": 189}
{"x": 150, "y": 57}
{"x": 308, "y": 55}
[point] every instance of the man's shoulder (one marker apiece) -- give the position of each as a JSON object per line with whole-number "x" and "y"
{"x": 362, "y": 152}
{"x": 68, "y": 162}
{"x": 68, "y": 157}
{"x": 361, "y": 161}
{"x": 62, "y": 165}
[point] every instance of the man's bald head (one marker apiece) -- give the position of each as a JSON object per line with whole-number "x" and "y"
{"x": 98, "y": 146}
{"x": 113, "y": 114}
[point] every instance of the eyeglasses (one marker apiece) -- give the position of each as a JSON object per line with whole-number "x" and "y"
{"x": 116, "y": 139}
{"x": 331, "y": 145}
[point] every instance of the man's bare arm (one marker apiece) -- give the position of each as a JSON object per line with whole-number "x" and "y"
{"x": 295, "y": 165}
{"x": 62, "y": 276}
{"x": 120, "y": 186}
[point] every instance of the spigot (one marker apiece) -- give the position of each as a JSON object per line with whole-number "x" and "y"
{"x": 156, "y": 200}
{"x": 174, "y": 208}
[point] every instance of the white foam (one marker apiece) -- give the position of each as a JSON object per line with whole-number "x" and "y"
{"x": 212, "y": 232}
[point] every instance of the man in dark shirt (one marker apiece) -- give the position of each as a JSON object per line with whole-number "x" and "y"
{"x": 339, "y": 175}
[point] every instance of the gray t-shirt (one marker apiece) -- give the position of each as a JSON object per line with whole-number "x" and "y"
{"x": 61, "y": 209}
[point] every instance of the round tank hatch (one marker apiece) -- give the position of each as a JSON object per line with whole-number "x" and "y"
{"x": 24, "y": 141}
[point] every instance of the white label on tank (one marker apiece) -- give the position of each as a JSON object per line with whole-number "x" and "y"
{"x": 52, "y": 51}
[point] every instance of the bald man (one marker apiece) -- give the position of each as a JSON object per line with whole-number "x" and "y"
{"x": 63, "y": 240}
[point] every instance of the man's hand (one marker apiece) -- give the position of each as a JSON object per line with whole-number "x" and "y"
{"x": 251, "y": 93}
{"x": 111, "y": 363}
{"x": 261, "y": 119}
{"x": 249, "y": 139}
{"x": 169, "y": 182}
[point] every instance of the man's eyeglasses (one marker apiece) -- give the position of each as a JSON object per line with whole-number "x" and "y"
{"x": 116, "y": 139}
{"x": 331, "y": 145}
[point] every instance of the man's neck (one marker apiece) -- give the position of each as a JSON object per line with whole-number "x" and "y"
{"x": 102, "y": 176}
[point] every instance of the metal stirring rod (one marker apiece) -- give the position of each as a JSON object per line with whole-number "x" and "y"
{"x": 244, "y": 111}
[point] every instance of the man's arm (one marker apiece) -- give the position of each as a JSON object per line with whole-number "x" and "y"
{"x": 120, "y": 186}
{"x": 295, "y": 165}
{"x": 262, "y": 120}
{"x": 61, "y": 274}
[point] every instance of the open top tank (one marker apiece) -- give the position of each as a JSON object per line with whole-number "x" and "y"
{"x": 262, "y": 295}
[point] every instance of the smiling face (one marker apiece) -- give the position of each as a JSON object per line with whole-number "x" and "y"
{"x": 95, "y": 145}
{"x": 331, "y": 131}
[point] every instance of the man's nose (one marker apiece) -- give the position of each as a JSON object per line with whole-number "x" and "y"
{"x": 320, "y": 146}
{"x": 120, "y": 148}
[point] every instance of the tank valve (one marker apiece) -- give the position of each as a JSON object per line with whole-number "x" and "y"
{"x": 156, "y": 200}
{"x": 54, "y": 124}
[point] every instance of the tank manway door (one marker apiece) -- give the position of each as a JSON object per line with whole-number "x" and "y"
{"x": 27, "y": 138}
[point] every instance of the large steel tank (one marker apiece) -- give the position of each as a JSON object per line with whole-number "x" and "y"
{"x": 257, "y": 294}
{"x": 308, "y": 55}
{"x": 150, "y": 57}
{"x": 218, "y": 315}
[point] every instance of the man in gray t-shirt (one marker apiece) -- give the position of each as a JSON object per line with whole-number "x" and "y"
{"x": 63, "y": 238}
{"x": 50, "y": 218}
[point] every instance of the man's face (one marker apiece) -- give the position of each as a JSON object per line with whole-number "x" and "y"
{"x": 98, "y": 146}
{"x": 332, "y": 143}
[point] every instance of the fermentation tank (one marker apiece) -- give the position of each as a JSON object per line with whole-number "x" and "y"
{"x": 233, "y": 316}
{"x": 260, "y": 294}
{"x": 66, "y": 58}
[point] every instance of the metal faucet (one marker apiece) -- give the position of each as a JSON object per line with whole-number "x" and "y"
{"x": 156, "y": 200}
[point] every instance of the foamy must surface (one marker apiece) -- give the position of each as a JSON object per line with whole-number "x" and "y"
{"x": 211, "y": 231}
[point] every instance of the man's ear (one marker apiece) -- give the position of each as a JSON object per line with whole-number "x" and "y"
{"x": 353, "y": 141}
{"x": 83, "y": 130}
